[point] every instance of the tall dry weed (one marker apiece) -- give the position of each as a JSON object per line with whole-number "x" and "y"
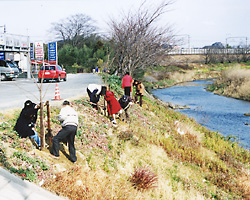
{"x": 182, "y": 77}
{"x": 234, "y": 83}
{"x": 143, "y": 178}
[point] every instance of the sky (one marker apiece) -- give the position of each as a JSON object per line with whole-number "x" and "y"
{"x": 197, "y": 22}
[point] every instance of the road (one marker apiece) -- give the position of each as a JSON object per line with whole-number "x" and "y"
{"x": 15, "y": 93}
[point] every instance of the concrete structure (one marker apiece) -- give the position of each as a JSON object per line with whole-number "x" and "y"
{"x": 15, "y": 48}
{"x": 13, "y": 188}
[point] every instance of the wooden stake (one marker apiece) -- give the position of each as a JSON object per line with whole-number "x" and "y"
{"x": 42, "y": 127}
{"x": 49, "y": 128}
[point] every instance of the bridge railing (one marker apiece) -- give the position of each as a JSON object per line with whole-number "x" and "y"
{"x": 196, "y": 51}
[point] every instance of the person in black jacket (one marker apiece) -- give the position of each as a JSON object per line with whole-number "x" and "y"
{"x": 95, "y": 91}
{"x": 125, "y": 102}
{"x": 25, "y": 125}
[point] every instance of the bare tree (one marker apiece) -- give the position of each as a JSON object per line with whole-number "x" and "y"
{"x": 137, "y": 40}
{"x": 74, "y": 28}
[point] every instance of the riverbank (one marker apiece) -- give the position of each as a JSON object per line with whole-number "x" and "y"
{"x": 157, "y": 154}
{"x": 233, "y": 82}
{"x": 216, "y": 112}
{"x": 167, "y": 76}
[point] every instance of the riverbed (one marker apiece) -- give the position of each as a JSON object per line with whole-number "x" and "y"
{"x": 217, "y": 113}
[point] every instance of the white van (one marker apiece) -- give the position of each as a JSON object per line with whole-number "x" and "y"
{"x": 8, "y": 70}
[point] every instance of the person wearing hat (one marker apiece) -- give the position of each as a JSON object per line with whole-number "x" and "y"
{"x": 69, "y": 121}
{"x": 125, "y": 103}
{"x": 25, "y": 125}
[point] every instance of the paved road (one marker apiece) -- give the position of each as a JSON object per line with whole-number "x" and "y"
{"x": 13, "y": 94}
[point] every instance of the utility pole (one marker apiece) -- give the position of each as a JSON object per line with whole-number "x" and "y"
{"x": 236, "y": 38}
{"x": 4, "y": 28}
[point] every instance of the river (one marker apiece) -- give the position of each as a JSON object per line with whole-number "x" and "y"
{"x": 217, "y": 113}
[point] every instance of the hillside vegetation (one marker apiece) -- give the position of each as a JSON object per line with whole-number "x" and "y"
{"x": 157, "y": 154}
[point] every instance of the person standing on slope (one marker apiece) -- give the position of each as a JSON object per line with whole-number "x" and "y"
{"x": 126, "y": 84}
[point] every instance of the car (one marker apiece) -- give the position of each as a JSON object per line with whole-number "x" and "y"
{"x": 8, "y": 70}
{"x": 51, "y": 72}
{"x": 20, "y": 70}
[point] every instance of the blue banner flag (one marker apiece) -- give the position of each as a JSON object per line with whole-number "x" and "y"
{"x": 52, "y": 48}
{"x": 32, "y": 51}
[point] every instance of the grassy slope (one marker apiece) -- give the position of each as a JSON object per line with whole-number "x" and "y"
{"x": 198, "y": 164}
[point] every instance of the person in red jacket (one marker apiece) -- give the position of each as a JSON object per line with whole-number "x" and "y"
{"x": 112, "y": 104}
{"x": 126, "y": 84}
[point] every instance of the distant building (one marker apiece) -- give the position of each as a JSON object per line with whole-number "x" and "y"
{"x": 216, "y": 45}
{"x": 15, "y": 48}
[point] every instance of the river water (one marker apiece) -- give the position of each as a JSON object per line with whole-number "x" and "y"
{"x": 217, "y": 113}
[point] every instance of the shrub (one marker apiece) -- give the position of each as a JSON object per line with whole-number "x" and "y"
{"x": 143, "y": 178}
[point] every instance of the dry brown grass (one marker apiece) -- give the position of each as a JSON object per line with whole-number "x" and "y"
{"x": 80, "y": 183}
{"x": 235, "y": 83}
{"x": 183, "y": 77}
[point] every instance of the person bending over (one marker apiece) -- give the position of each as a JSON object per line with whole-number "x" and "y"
{"x": 95, "y": 91}
{"x": 25, "y": 125}
{"x": 69, "y": 121}
{"x": 125, "y": 103}
{"x": 113, "y": 105}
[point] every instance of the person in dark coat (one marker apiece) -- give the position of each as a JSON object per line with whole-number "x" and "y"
{"x": 125, "y": 102}
{"x": 25, "y": 125}
{"x": 112, "y": 104}
{"x": 95, "y": 91}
